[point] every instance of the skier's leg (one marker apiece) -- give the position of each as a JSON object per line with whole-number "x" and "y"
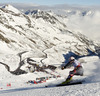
{"x": 68, "y": 79}
{"x": 71, "y": 74}
{"x": 79, "y": 71}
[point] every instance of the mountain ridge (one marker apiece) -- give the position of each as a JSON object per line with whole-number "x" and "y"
{"x": 40, "y": 31}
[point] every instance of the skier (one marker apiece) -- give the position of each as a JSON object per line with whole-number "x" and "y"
{"x": 78, "y": 69}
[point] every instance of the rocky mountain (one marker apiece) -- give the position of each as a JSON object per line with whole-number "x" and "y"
{"x": 39, "y": 33}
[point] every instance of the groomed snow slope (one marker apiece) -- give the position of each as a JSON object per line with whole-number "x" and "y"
{"x": 91, "y": 86}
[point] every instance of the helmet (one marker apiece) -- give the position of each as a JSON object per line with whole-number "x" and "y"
{"x": 71, "y": 58}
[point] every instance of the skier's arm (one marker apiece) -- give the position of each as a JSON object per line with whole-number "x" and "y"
{"x": 67, "y": 65}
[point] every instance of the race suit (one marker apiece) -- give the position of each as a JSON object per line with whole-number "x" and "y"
{"x": 78, "y": 69}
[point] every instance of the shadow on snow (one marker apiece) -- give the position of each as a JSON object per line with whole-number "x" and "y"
{"x": 69, "y": 54}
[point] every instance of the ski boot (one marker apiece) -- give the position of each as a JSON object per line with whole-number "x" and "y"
{"x": 67, "y": 80}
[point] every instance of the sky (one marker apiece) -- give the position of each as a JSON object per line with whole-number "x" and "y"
{"x": 54, "y": 2}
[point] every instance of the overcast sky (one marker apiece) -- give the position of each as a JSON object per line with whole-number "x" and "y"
{"x": 54, "y": 2}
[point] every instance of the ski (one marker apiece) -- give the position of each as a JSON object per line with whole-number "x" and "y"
{"x": 74, "y": 83}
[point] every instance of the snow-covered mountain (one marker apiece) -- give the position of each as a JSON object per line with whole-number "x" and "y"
{"x": 38, "y": 31}
{"x": 84, "y": 19}
{"x": 39, "y": 34}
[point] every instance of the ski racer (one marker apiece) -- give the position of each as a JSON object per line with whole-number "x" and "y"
{"x": 78, "y": 69}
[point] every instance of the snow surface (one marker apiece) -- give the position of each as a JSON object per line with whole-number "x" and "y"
{"x": 11, "y": 8}
{"x": 91, "y": 86}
